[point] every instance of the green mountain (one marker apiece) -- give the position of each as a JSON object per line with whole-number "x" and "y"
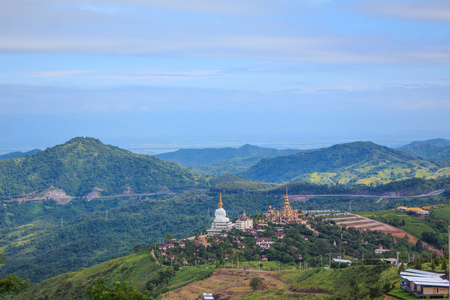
{"x": 219, "y": 161}
{"x": 353, "y": 163}
{"x": 83, "y": 165}
{"x": 435, "y": 150}
{"x": 18, "y": 154}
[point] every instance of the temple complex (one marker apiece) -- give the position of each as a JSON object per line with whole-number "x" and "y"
{"x": 285, "y": 215}
{"x": 221, "y": 222}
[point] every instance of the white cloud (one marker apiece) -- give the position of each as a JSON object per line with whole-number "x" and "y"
{"x": 429, "y": 10}
{"x": 59, "y": 73}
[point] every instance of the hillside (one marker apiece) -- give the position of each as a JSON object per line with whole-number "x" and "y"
{"x": 38, "y": 246}
{"x": 84, "y": 165}
{"x": 436, "y": 150}
{"x": 18, "y": 154}
{"x": 218, "y": 161}
{"x": 353, "y": 163}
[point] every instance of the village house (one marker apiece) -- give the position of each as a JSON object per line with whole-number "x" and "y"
{"x": 380, "y": 250}
{"x": 264, "y": 242}
{"x": 244, "y": 222}
{"x": 279, "y": 234}
{"x": 416, "y": 210}
{"x": 422, "y": 284}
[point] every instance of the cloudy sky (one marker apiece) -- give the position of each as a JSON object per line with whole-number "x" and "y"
{"x": 152, "y": 75}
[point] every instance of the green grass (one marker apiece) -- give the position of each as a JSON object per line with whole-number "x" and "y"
{"x": 440, "y": 212}
{"x": 188, "y": 275}
{"x": 413, "y": 225}
{"x": 341, "y": 282}
{"x": 135, "y": 268}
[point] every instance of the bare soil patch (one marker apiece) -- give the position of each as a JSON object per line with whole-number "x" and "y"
{"x": 369, "y": 224}
{"x": 299, "y": 198}
{"x": 228, "y": 284}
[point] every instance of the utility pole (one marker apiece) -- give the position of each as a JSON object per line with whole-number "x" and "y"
{"x": 106, "y": 215}
{"x": 62, "y": 224}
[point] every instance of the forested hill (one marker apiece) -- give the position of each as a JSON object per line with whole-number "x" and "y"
{"x": 436, "y": 150}
{"x": 352, "y": 163}
{"x": 83, "y": 164}
{"x": 218, "y": 161}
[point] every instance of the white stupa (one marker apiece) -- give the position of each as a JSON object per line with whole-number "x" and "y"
{"x": 221, "y": 222}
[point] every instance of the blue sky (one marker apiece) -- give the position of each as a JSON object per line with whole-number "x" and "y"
{"x": 159, "y": 75}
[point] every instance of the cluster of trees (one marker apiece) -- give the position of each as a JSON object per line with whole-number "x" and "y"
{"x": 121, "y": 290}
{"x": 11, "y": 284}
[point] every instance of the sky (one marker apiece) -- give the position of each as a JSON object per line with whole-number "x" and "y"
{"x": 154, "y": 76}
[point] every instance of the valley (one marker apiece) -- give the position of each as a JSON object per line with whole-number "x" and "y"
{"x": 77, "y": 206}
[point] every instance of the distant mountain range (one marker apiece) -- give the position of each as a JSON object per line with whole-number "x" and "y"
{"x": 18, "y": 154}
{"x": 218, "y": 161}
{"x": 352, "y": 163}
{"x": 83, "y": 165}
{"x": 436, "y": 150}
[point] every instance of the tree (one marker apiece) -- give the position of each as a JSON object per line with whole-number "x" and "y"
{"x": 169, "y": 236}
{"x": 12, "y": 284}
{"x": 418, "y": 263}
{"x": 99, "y": 291}
{"x": 419, "y": 246}
{"x": 255, "y": 283}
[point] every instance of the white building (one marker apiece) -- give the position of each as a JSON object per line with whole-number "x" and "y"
{"x": 221, "y": 222}
{"x": 244, "y": 222}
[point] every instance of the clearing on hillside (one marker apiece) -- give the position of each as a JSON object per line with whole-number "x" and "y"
{"x": 228, "y": 284}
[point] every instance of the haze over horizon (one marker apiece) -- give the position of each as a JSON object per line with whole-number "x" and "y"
{"x": 154, "y": 76}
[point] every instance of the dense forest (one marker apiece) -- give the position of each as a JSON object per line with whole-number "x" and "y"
{"x": 350, "y": 164}
{"x": 435, "y": 150}
{"x": 84, "y": 164}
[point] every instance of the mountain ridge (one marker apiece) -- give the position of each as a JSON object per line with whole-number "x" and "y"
{"x": 350, "y": 163}
{"x": 435, "y": 150}
{"x": 82, "y": 165}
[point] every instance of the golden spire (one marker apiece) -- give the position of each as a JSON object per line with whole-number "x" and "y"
{"x": 220, "y": 205}
{"x": 286, "y": 199}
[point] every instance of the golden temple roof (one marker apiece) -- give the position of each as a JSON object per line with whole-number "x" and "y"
{"x": 286, "y": 199}
{"x": 220, "y": 204}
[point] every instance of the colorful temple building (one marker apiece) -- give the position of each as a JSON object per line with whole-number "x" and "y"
{"x": 285, "y": 215}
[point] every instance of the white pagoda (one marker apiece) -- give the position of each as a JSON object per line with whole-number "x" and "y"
{"x": 221, "y": 222}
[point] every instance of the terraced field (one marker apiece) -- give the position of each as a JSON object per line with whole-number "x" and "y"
{"x": 372, "y": 225}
